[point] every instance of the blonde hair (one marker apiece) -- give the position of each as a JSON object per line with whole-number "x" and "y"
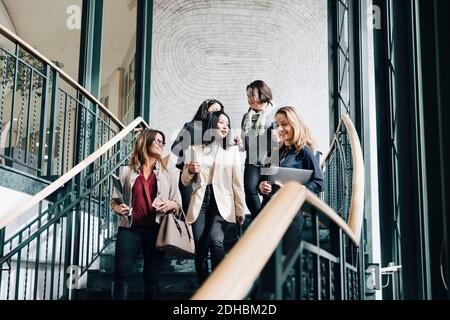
{"x": 301, "y": 134}
{"x": 141, "y": 152}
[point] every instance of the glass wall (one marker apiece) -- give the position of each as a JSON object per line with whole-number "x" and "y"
{"x": 117, "y": 68}
{"x": 53, "y": 28}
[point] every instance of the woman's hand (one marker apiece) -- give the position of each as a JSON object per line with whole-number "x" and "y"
{"x": 265, "y": 188}
{"x": 238, "y": 141}
{"x": 194, "y": 167}
{"x": 240, "y": 219}
{"x": 121, "y": 209}
{"x": 165, "y": 206}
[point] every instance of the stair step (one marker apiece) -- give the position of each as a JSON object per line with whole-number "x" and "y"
{"x": 132, "y": 295}
{"x": 173, "y": 286}
{"x": 178, "y": 281}
{"x": 170, "y": 264}
{"x": 185, "y": 281}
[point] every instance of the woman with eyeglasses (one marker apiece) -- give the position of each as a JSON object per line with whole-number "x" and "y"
{"x": 213, "y": 169}
{"x": 148, "y": 191}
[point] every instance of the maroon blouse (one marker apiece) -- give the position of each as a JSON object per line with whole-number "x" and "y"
{"x": 144, "y": 193}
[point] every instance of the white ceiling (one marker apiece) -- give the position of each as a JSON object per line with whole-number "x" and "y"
{"x": 42, "y": 23}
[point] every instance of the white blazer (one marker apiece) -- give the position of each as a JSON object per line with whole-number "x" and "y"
{"x": 227, "y": 183}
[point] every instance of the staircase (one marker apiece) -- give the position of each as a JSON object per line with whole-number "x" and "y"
{"x": 52, "y": 130}
{"x": 69, "y": 141}
{"x": 178, "y": 280}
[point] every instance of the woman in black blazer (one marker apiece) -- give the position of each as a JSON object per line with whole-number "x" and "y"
{"x": 296, "y": 150}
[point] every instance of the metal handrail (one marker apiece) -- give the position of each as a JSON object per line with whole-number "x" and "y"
{"x": 72, "y": 228}
{"x": 356, "y": 210}
{"x": 236, "y": 274}
{"x": 332, "y": 145}
{"x": 13, "y": 37}
{"x": 46, "y": 192}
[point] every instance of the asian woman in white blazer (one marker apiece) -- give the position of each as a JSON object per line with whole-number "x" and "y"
{"x": 214, "y": 171}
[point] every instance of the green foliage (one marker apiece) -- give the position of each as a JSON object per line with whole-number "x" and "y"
{"x": 26, "y": 63}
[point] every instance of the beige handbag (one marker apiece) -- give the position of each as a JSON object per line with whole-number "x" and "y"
{"x": 175, "y": 236}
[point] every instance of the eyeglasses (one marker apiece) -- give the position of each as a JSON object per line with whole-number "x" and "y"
{"x": 160, "y": 142}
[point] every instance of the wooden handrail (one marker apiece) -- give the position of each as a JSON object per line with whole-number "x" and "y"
{"x": 13, "y": 37}
{"x": 356, "y": 212}
{"x": 236, "y": 274}
{"x": 16, "y": 213}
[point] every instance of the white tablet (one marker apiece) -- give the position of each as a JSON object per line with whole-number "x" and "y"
{"x": 284, "y": 175}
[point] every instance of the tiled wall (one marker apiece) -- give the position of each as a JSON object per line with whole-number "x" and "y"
{"x": 214, "y": 48}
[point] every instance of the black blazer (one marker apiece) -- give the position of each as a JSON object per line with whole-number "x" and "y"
{"x": 305, "y": 159}
{"x": 184, "y": 140}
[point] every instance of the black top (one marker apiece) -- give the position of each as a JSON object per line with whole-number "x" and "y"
{"x": 186, "y": 137}
{"x": 305, "y": 159}
{"x": 258, "y": 147}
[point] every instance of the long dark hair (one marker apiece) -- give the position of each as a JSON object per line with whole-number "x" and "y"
{"x": 210, "y": 123}
{"x": 202, "y": 111}
{"x": 141, "y": 151}
{"x": 259, "y": 89}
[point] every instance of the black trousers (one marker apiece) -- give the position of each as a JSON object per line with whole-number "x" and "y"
{"x": 129, "y": 243}
{"x": 209, "y": 232}
{"x": 251, "y": 180}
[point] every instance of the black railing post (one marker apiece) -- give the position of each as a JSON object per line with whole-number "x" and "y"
{"x": 338, "y": 250}
{"x": 316, "y": 239}
{"x": 77, "y": 222}
{"x": 2, "y": 242}
{"x": 299, "y": 272}
{"x": 27, "y": 129}
{"x": 143, "y": 59}
{"x": 362, "y": 263}
{"x": 62, "y": 133}
{"x": 37, "y": 258}
{"x": 71, "y": 248}
{"x": 342, "y": 262}
{"x": 13, "y": 101}
{"x": 68, "y": 253}
{"x": 278, "y": 270}
{"x": 52, "y": 131}
{"x": 56, "y": 212}
{"x": 43, "y": 122}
